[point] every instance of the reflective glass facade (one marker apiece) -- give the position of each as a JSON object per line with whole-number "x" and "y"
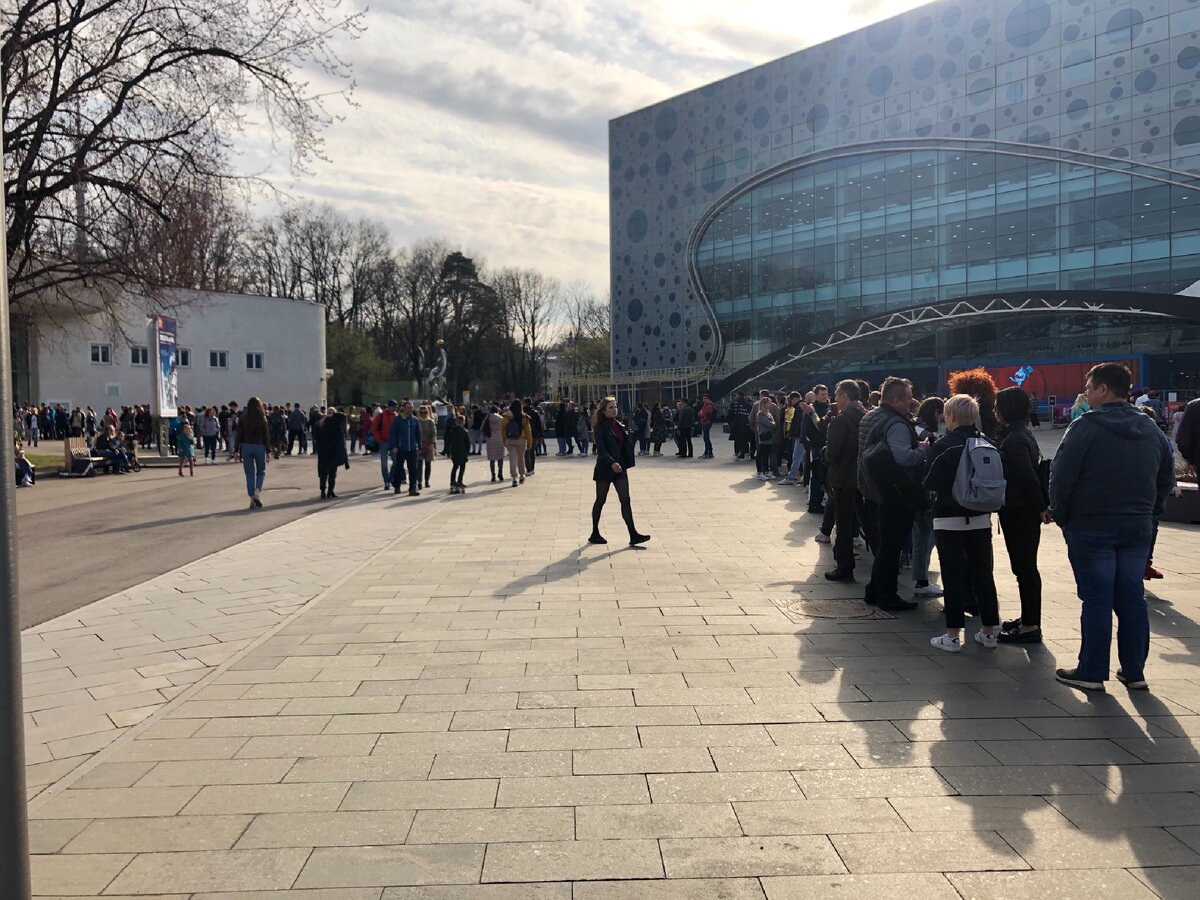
{"x": 960, "y": 150}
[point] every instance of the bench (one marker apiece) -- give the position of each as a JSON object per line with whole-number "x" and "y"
{"x": 79, "y": 461}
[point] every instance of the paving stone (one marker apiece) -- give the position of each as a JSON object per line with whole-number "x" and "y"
{"x": 574, "y": 860}
{"x": 848, "y": 783}
{"x": 926, "y": 852}
{"x": 1043, "y": 752}
{"x": 113, "y": 775}
{"x": 616, "y": 762}
{"x": 774, "y": 759}
{"x": 51, "y": 835}
{"x": 1169, "y": 881}
{"x": 704, "y": 736}
{"x": 344, "y": 867}
{"x": 439, "y": 826}
{"x": 318, "y": 894}
{"x": 527, "y": 739}
{"x": 893, "y": 754}
{"x": 445, "y": 742}
{"x": 551, "y": 891}
{"x": 859, "y": 887}
{"x": 378, "y": 767}
{"x": 1106, "y": 812}
{"x": 461, "y": 794}
{"x": 249, "y": 870}
{"x": 327, "y": 829}
{"x": 1022, "y": 780}
{"x": 182, "y": 748}
{"x": 380, "y": 723}
{"x": 265, "y": 798}
{"x": 656, "y": 820}
{"x": 1077, "y": 884}
{"x": 749, "y": 856}
{"x": 159, "y": 834}
{"x": 573, "y": 790}
{"x": 1158, "y": 779}
{"x": 494, "y": 765}
{"x": 83, "y": 874}
{"x": 114, "y": 803}
{"x": 1126, "y": 847}
{"x": 216, "y": 771}
{"x": 835, "y": 733}
{"x": 721, "y": 787}
{"x": 978, "y": 813}
{"x": 674, "y": 889}
{"x": 832, "y": 816}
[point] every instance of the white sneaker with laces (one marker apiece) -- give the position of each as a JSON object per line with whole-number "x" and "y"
{"x": 858, "y": 542}
{"x": 929, "y": 590}
{"x": 987, "y": 640}
{"x": 822, "y": 538}
{"x": 947, "y": 643}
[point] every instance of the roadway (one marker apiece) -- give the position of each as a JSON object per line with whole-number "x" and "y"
{"x": 81, "y": 539}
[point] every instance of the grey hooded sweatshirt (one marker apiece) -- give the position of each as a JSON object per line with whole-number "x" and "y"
{"x": 1112, "y": 473}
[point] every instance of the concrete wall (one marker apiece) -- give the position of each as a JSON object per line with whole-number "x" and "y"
{"x": 289, "y": 334}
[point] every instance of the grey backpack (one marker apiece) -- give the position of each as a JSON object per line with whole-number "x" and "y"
{"x": 979, "y": 482}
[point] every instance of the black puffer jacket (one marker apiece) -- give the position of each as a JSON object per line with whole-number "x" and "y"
{"x": 1021, "y": 456}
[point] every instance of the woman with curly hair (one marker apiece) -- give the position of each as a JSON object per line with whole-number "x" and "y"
{"x": 978, "y": 383}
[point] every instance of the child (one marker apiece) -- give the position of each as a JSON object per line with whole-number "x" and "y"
{"x": 185, "y": 444}
{"x": 458, "y": 442}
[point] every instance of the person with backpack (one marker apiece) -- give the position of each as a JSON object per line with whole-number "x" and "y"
{"x": 517, "y": 436}
{"x": 764, "y": 427}
{"x": 1023, "y": 513}
{"x": 966, "y": 475}
{"x": 891, "y": 459}
{"x": 1111, "y": 476}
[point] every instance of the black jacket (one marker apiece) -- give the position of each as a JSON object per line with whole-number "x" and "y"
{"x": 458, "y": 444}
{"x": 943, "y": 467}
{"x": 1188, "y": 438}
{"x": 610, "y": 449}
{"x": 841, "y": 451}
{"x": 1021, "y": 455}
{"x": 329, "y": 440}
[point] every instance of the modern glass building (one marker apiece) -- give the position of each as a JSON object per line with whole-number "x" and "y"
{"x": 1001, "y": 182}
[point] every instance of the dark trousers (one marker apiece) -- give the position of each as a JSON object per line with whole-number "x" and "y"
{"x": 844, "y": 503}
{"x": 457, "y": 470}
{"x": 895, "y": 526}
{"x": 868, "y": 519}
{"x": 410, "y": 459}
{"x": 683, "y": 437}
{"x": 708, "y": 448}
{"x": 300, "y": 436}
{"x": 1022, "y": 533}
{"x": 327, "y": 475}
{"x": 816, "y": 484}
{"x": 530, "y": 457}
{"x": 960, "y": 553}
{"x": 762, "y": 460}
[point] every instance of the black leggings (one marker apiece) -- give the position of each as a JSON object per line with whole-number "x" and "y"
{"x": 622, "y": 486}
{"x": 497, "y": 468}
{"x": 428, "y": 469}
{"x": 456, "y": 473}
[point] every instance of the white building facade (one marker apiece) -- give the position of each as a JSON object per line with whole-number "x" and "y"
{"x": 231, "y": 347}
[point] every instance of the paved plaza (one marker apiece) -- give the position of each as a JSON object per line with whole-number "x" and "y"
{"x": 457, "y": 697}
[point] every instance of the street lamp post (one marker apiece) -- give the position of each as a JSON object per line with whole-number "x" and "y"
{"x": 14, "y": 829}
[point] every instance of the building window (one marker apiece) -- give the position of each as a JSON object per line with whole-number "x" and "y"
{"x": 254, "y": 361}
{"x": 139, "y": 356}
{"x": 102, "y": 354}
{"x": 218, "y": 359}
{"x": 185, "y": 358}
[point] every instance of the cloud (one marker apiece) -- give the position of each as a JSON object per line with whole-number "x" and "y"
{"x": 485, "y": 122}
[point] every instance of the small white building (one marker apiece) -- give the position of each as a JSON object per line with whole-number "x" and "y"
{"x": 231, "y": 347}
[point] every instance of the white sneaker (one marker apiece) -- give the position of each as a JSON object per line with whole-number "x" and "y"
{"x": 929, "y": 590}
{"x": 947, "y": 643}
{"x": 822, "y": 538}
{"x": 858, "y": 542}
{"x": 987, "y": 640}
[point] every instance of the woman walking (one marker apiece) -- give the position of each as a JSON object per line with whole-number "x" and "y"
{"x": 253, "y": 434}
{"x": 1023, "y": 513}
{"x": 517, "y": 436}
{"x": 615, "y": 457}
{"x": 428, "y": 440}
{"x": 764, "y": 429}
{"x": 329, "y": 442}
{"x": 658, "y": 429}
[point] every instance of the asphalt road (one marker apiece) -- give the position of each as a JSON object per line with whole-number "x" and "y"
{"x": 81, "y": 539}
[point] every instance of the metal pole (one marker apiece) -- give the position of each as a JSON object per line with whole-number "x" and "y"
{"x": 14, "y": 829}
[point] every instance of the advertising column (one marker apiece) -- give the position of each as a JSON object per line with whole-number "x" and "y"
{"x": 164, "y": 373}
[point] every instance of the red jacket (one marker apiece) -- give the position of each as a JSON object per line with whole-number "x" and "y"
{"x": 707, "y": 411}
{"x": 381, "y": 426}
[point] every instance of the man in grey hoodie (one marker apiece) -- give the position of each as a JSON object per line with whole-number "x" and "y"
{"x": 1110, "y": 478}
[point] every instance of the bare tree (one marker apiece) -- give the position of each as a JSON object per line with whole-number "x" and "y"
{"x": 586, "y": 348}
{"x": 532, "y": 304}
{"x": 112, "y": 106}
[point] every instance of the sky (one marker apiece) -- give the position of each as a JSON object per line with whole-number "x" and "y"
{"x": 485, "y": 123}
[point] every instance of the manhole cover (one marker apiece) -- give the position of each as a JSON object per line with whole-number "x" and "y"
{"x": 798, "y": 610}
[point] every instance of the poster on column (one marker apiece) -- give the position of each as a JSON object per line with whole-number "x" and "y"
{"x": 164, "y": 366}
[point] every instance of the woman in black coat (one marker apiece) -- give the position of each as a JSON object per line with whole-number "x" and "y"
{"x": 329, "y": 440}
{"x": 1023, "y": 514}
{"x": 615, "y": 457}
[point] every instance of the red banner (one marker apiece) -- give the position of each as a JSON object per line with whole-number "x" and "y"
{"x": 1061, "y": 380}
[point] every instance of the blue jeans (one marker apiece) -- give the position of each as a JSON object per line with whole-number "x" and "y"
{"x": 707, "y": 430}
{"x": 410, "y": 460}
{"x": 583, "y": 446}
{"x": 385, "y": 463}
{"x": 922, "y": 545}
{"x": 797, "y": 458}
{"x": 254, "y": 462}
{"x": 1108, "y": 577}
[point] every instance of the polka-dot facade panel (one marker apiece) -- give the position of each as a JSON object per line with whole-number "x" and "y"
{"x": 1116, "y": 78}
